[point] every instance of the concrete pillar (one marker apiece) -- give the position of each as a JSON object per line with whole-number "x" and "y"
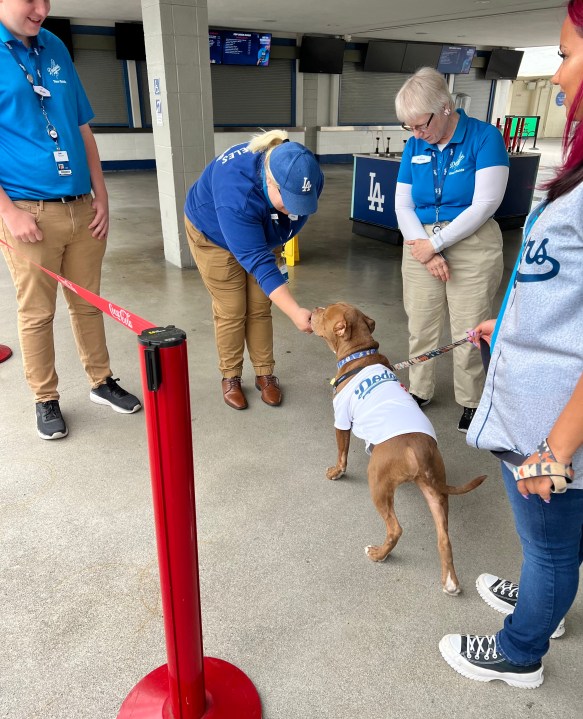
{"x": 179, "y": 76}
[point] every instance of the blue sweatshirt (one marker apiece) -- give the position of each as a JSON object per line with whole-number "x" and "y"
{"x": 229, "y": 205}
{"x": 538, "y": 356}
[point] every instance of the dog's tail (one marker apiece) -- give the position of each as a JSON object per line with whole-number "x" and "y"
{"x": 465, "y": 487}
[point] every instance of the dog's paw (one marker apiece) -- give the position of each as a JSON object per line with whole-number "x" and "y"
{"x": 334, "y": 473}
{"x": 451, "y": 587}
{"x": 377, "y": 554}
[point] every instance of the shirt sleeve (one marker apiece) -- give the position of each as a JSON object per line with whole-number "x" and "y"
{"x": 341, "y": 415}
{"x": 84, "y": 110}
{"x": 491, "y": 152}
{"x": 405, "y": 174}
{"x": 409, "y": 224}
{"x": 489, "y": 189}
{"x": 246, "y": 240}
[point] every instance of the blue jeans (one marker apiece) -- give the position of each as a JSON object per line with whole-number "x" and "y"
{"x": 552, "y": 545}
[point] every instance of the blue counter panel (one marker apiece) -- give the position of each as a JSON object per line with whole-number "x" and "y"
{"x": 373, "y": 191}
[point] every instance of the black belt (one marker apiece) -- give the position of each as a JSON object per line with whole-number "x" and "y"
{"x": 66, "y": 198}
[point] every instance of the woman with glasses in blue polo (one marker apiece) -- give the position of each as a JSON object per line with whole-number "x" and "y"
{"x": 452, "y": 179}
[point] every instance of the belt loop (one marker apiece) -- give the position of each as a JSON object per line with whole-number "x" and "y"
{"x": 41, "y": 205}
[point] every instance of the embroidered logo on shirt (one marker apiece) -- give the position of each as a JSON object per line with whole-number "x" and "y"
{"x": 54, "y": 70}
{"x": 541, "y": 258}
{"x": 455, "y": 165}
{"x": 370, "y": 383}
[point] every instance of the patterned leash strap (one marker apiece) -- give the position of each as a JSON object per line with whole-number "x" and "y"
{"x": 430, "y": 355}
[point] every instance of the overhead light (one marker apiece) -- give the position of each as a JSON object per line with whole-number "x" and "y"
{"x": 421, "y": 33}
{"x": 482, "y": 2}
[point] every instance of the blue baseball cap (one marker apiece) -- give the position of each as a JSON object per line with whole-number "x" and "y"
{"x": 298, "y": 174}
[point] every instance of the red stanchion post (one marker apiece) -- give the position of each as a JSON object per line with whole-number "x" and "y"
{"x": 5, "y": 353}
{"x": 189, "y": 686}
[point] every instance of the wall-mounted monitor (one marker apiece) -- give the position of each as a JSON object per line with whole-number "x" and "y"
{"x": 216, "y": 47}
{"x": 246, "y": 48}
{"x": 419, "y": 54}
{"x": 456, "y": 59}
{"x": 384, "y": 56}
{"x": 61, "y": 27}
{"x": 503, "y": 64}
{"x": 129, "y": 41}
{"x": 322, "y": 54}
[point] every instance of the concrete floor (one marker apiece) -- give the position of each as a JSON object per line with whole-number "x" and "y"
{"x": 287, "y": 592}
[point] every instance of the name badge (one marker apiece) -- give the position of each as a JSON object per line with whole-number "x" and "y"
{"x": 420, "y": 159}
{"x": 62, "y": 162}
{"x": 42, "y": 91}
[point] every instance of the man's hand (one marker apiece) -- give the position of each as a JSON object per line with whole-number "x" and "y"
{"x": 100, "y": 225}
{"x": 422, "y": 250}
{"x": 438, "y": 267}
{"x": 22, "y": 225}
{"x": 302, "y": 320}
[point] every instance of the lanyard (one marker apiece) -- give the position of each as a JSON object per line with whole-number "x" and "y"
{"x": 39, "y": 90}
{"x": 439, "y": 178}
{"x": 274, "y": 213}
{"x": 527, "y": 230}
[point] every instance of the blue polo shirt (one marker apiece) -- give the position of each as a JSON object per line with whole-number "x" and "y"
{"x": 228, "y": 204}
{"x": 27, "y": 165}
{"x": 476, "y": 145}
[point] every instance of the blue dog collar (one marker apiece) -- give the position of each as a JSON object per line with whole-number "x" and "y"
{"x": 356, "y": 355}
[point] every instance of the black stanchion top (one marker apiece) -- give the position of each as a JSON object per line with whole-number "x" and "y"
{"x": 162, "y": 337}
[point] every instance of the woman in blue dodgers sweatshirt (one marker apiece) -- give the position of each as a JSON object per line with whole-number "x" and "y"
{"x": 531, "y": 413}
{"x": 249, "y": 200}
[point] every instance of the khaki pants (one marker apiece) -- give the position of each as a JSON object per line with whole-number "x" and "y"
{"x": 475, "y": 266}
{"x": 68, "y": 249}
{"x": 241, "y": 310}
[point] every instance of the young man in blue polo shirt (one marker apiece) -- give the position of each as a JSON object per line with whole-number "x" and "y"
{"x": 49, "y": 164}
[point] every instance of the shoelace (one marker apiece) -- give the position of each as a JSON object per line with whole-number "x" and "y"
{"x": 51, "y": 410}
{"x": 481, "y": 645}
{"x": 505, "y": 587}
{"x": 116, "y": 390}
{"x": 270, "y": 379}
{"x": 234, "y": 383}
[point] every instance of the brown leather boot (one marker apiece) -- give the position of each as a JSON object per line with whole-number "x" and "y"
{"x": 269, "y": 386}
{"x": 233, "y": 394}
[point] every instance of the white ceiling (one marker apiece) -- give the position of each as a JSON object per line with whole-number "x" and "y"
{"x": 522, "y": 23}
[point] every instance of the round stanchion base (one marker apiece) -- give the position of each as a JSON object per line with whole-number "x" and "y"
{"x": 229, "y": 693}
{"x": 5, "y": 353}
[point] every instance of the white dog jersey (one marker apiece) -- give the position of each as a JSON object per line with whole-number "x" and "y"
{"x": 376, "y": 406}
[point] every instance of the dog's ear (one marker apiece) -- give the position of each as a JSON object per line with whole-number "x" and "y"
{"x": 340, "y": 328}
{"x": 370, "y": 323}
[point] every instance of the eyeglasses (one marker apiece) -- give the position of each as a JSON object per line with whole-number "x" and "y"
{"x": 418, "y": 128}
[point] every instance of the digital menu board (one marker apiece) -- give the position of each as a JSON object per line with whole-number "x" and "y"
{"x": 238, "y": 47}
{"x": 215, "y": 47}
{"x": 456, "y": 59}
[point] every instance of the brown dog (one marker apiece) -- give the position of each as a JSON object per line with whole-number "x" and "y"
{"x": 399, "y": 437}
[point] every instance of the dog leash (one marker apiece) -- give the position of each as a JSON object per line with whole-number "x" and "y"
{"x": 429, "y": 355}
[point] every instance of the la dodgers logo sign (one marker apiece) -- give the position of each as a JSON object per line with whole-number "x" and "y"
{"x": 375, "y": 197}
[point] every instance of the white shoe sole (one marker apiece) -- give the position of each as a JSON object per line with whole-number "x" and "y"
{"x": 457, "y": 662}
{"x": 99, "y": 400}
{"x": 56, "y": 435}
{"x": 500, "y": 606}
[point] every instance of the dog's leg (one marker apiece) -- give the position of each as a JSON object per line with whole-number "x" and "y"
{"x": 383, "y": 495}
{"x": 343, "y": 442}
{"x": 438, "y": 504}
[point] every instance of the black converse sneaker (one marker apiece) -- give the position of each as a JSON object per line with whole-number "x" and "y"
{"x": 420, "y": 401}
{"x": 466, "y": 419}
{"x": 477, "y": 658}
{"x": 49, "y": 420}
{"x": 501, "y": 595}
{"x": 117, "y": 398}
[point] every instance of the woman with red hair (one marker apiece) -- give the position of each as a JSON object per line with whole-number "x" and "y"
{"x": 531, "y": 413}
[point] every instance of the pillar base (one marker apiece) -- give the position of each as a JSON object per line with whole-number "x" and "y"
{"x": 229, "y": 693}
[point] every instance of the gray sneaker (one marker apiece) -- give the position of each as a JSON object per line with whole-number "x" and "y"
{"x": 49, "y": 420}
{"x": 116, "y": 397}
{"x": 502, "y": 595}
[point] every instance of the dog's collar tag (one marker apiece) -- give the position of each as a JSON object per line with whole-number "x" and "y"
{"x": 356, "y": 355}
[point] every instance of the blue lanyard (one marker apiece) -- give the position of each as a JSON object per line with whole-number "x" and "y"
{"x": 439, "y": 178}
{"x": 274, "y": 213}
{"x": 533, "y": 217}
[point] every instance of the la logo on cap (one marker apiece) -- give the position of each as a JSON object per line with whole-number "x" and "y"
{"x": 307, "y": 186}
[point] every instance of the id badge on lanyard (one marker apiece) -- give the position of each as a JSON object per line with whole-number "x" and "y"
{"x": 439, "y": 182}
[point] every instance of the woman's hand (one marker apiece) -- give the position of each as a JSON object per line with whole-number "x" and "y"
{"x": 422, "y": 250}
{"x": 438, "y": 267}
{"x": 482, "y": 331}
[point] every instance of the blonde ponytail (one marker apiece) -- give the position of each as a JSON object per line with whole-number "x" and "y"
{"x": 266, "y": 142}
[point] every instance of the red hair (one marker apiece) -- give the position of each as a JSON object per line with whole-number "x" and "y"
{"x": 571, "y": 172}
